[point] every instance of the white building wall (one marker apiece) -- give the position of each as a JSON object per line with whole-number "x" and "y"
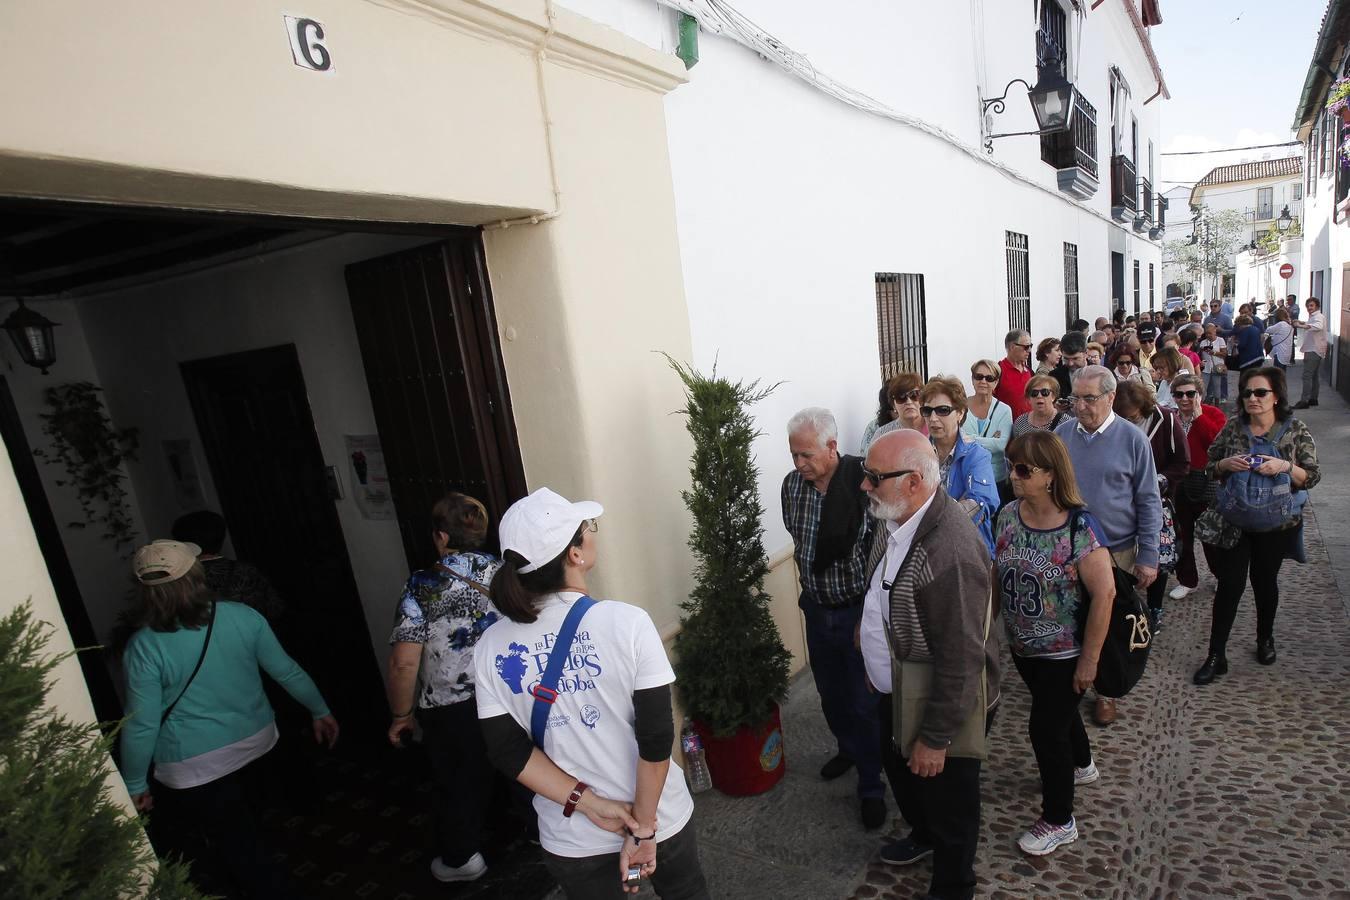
{"x": 1326, "y": 253}
{"x": 790, "y": 201}
{"x": 1242, "y": 197}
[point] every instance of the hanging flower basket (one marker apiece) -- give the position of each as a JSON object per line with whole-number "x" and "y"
{"x": 1338, "y": 99}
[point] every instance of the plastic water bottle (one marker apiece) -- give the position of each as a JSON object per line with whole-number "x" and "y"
{"x": 695, "y": 763}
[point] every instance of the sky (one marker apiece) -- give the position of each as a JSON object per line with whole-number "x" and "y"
{"x": 1235, "y": 69}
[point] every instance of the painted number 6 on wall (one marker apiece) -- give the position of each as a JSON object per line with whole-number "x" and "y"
{"x": 308, "y": 50}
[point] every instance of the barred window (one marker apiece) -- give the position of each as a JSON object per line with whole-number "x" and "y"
{"x": 902, "y": 324}
{"x": 1019, "y": 281}
{"x": 1136, "y": 287}
{"x": 1070, "y": 285}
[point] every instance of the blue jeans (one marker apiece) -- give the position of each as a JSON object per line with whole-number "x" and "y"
{"x": 850, "y": 709}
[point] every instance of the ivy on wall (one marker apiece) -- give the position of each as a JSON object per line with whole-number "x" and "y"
{"x": 93, "y": 451}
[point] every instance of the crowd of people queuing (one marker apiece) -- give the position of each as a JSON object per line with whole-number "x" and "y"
{"x": 1009, "y": 512}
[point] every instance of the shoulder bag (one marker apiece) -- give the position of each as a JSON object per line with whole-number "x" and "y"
{"x": 206, "y": 642}
{"x": 480, "y": 588}
{"x": 914, "y": 684}
{"x": 1167, "y": 537}
{"x": 546, "y": 691}
{"x": 1128, "y": 638}
{"x": 1256, "y": 502}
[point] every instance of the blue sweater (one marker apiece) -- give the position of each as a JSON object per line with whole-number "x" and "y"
{"x": 1119, "y": 483}
{"x": 225, "y": 702}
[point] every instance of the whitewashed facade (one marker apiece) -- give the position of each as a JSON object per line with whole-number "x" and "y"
{"x": 791, "y": 201}
{"x": 1326, "y": 185}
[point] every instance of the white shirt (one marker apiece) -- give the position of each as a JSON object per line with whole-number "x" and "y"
{"x": 205, "y": 768}
{"x": 1281, "y": 336}
{"x": 1315, "y": 336}
{"x": 1110, "y": 417}
{"x": 589, "y": 734}
{"x": 876, "y": 616}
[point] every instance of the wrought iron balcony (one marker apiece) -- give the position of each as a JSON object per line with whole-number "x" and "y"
{"x": 1146, "y": 199}
{"x": 1124, "y": 188}
{"x": 1074, "y": 152}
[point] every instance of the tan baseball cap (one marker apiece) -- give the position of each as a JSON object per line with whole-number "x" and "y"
{"x": 162, "y": 561}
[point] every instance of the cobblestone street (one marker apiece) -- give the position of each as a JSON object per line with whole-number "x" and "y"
{"x": 1236, "y": 790}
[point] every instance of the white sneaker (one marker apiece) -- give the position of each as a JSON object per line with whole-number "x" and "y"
{"x": 470, "y": 871}
{"x": 1180, "y": 592}
{"x": 1043, "y": 837}
{"x": 1086, "y": 775}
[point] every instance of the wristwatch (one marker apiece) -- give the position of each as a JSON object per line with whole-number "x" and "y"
{"x": 573, "y": 799}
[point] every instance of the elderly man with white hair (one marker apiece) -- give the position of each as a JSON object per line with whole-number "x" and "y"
{"x": 825, "y": 511}
{"x": 931, "y": 655}
{"x": 1113, "y": 463}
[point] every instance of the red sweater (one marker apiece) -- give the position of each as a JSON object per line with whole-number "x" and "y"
{"x": 1204, "y": 430}
{"x": 1012, "y": 387}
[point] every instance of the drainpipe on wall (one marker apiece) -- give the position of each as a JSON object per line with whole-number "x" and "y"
{"x": 540, "y": 55}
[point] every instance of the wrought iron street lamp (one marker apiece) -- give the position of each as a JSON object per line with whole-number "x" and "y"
{"x": 31, "y": 333}
{"x": 1285, "y": 221}
{"x": 1052, "y": 101}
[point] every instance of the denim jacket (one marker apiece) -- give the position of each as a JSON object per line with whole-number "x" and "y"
{"x": 972, "y": 476}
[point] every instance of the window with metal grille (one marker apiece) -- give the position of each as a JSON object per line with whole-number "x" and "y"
{"x": 902, "y": 324}
{"x": 1265, "y": 203}
{"x": 1019, "y": 281}
{"x": 1136, "y": 287}
{"x": 1070, "y": 285}
{"x": 1052, "y": 38}
{"x": 1298, "y": 191}
{"x": 1151, "y": 299}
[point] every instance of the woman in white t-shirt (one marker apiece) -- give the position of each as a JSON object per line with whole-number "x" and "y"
{"x": 1280, "y": 339}
{"x": 607, "y": 736}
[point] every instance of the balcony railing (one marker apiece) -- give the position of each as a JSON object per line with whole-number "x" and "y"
{"x": 1162, "y": 211}
{"x": 1146, "y": 199}
{"x": 1074, "y": 152}
{"x": 1124, "y": 186}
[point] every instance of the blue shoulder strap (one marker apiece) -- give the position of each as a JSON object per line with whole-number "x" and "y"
{"x": 546, "y": 691}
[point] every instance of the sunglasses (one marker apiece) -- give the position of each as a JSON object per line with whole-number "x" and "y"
{"x": 1026, "y": 347}
{"x": 989, "y": 378}
{"x": 876, "y": 478}
{"x": 1259, "y": 393}
{"x": 1123, "y": 361}
{"x": 1022, "y": 470}
{"x": 1185, "y": 393}
{"x": 943, "y": 411}
{"x": 907, "y": 397}
{"x": 1040, "y": 392}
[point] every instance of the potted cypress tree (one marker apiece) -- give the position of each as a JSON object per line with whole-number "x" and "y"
{"x": 730, "y": 659}
{"x": 61, "y": 834}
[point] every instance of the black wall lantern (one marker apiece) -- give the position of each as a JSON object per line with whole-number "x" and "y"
{"x": 1285, "y": 221}
{"x": 32, "y": 335}
{"x": 1052, "y": 100}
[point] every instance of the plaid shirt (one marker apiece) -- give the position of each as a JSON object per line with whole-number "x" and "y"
{"x": 845, "y": 582}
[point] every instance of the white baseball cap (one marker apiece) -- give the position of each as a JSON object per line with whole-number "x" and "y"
{"x": 541, "y": 526}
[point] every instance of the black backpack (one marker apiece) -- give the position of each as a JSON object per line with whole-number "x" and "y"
{"x": 1128, "y": 637}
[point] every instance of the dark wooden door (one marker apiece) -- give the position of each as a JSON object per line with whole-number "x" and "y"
{"x": 92, "y": 660}
{"x": 428, "y": 339}
{"x": 258, "y": 435}
{"x": 1117, "y": 281}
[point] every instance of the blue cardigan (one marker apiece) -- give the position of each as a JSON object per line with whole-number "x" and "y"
{"x": 972, "y": 475}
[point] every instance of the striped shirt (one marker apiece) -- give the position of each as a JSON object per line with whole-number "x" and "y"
{"x": 845, "y": 581}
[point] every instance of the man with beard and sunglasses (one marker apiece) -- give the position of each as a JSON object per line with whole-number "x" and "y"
{"x": 930, "y": 655}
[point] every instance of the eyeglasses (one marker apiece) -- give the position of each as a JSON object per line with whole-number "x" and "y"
{"x": 1085, "y": 399}
{"x": 1259, "y": 393}
{"x": 1185, "y": 393}
{"x": 876, "y": 478}
{"x": 989, "y": 378}
{"x": 1040, "y": 392}
{"x": 907, "y": 397}
{"x": 1026, "y": 347}
{"x": 1024, "y": 471}
{"x": 943, "y": 411}
{"x": 590, "y": 525}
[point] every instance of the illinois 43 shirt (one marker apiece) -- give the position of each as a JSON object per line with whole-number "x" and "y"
{"x": 589, "y": 734}
{"x": 1037, "y": 572}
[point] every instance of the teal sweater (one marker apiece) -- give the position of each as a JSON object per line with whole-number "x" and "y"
{"x": 225, "y": 702}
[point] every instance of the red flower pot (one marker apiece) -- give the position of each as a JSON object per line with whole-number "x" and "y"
{"x": 750, "y": 761}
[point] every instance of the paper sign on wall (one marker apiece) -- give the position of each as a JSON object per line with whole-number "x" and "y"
{"x": 187, "y": 484}
{"x": 369, "y": 477}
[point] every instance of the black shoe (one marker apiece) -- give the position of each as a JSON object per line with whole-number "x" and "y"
{"x": 904, "y": 852}
{"x": 1303, "y": 404}
{"x": 1214, "y": 666}
{"x": 1265, "y": 651}
{"x": 836, "y": 767}
{"x": 873, "y": 812}
{"x": 1155, "y": 617}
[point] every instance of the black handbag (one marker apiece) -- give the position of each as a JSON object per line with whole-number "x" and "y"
{"x": 1199, "y": 489}
{"x": 1124, "y": 653}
